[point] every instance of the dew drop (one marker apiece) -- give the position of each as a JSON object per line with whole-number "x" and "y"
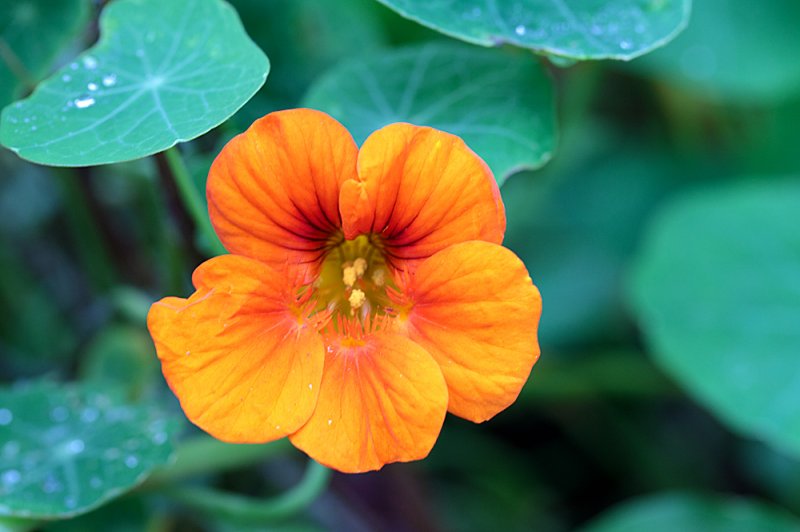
{"x": 110, "y": 80}
{"x": 10, "y": 477}
{"x": 73, "y": 66}
{"x": 639, "y": 28}
{"x": 131, "y": 461}
{"x": 5, "y": 416}
{"x": 66, "y": 77}
{"x": 92, "y": 86}
{"x": 520, "y": 30}
{"x": 76, "y": 446}
{"x": 596, "y": 29}
{"x": 89, "y": 415}
{"x": 159, "y": 438}
{"x": 330, "y": 422}
{"x": 59, "y": 414}
{"x": 90, "y": 62}
{"x": 10, "y": 449}
{"x": 51, "y": 485}
{"x": 70, "y": 502}
{"x": 95, "y": 482}
{"x": 625, "y": 45}
{"x": 83, "y": 102}
{"x": 310, "y": 386}
{"x": 111, "y": 454}
{"x": 33, "y": 128}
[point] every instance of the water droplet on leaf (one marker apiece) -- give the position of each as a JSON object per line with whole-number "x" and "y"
{"x": 83, "y": 102}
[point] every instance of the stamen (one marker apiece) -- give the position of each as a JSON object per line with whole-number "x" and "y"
{"x": 349, "y": 275}
{"x": 379, "y": 277}
{"x": 353, "y": 271}
{"x": 357, "y": 298}
{"x": 360, "y": 266}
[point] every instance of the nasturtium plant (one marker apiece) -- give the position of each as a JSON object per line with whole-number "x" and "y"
{"x": 716, "y": 292}
{"x": 588, "y": 29}
{"x": 733, "y": 51}
{"x": 161, "y": 73}
{"x": 503, "y": 104}
{"x": 31, "y": 34}
{"x": 668, "y": 512}
{"x": 65, "y": 449}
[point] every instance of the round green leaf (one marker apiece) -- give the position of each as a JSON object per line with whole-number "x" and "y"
{"x": 66, "y": 449}
{"x": 717, "y": 293}
{"x": 32, "y": 32}
{"x": 694, "y": 513}
{"x": 162, "y": 73}
{"x": 585, "y": 29}
{"x": 500, "y": 103}
{"x": 726, "y": 38}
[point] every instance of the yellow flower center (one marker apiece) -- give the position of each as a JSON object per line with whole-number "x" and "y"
{"x": 353, "y": 281}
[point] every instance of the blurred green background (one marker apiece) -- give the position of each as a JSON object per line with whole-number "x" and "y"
{"x": 663, "y": 232}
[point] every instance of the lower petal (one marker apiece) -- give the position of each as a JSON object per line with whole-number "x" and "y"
{"x": 380, "y": 402}
{"x": 474, "y": 308}
{"x": 244, "y": 368}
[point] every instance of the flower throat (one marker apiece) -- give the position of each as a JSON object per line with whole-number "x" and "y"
{"x": 354, "y": 283}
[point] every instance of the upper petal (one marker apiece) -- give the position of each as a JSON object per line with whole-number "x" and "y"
{"x": 243, "y": 365}
{"x": 421, "y": 190}
{"x": 382, "y": 402}
{"x": 273, "y": 191}
{"x": 474, "y": 308}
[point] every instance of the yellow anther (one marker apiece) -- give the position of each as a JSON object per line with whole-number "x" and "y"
{"x": 349, "y": 276}
{"x": 379, "y": 277}
{"x": 360, "y": 266}
{"x": 357, "y": 299}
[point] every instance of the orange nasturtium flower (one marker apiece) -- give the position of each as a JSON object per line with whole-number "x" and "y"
{"x": 366, "y": 294}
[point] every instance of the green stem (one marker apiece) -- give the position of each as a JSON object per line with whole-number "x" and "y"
{"x": 284, "y": 505}
{"x": 204, "y": 454}
{"x": 131, "y": 303}
{"x": 193, "y": 202}
{"x": 16, "y": 66}
{"x": 88, "y": 241}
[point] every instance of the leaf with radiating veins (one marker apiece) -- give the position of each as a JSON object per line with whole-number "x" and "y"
{"x": 500, "y": 102}
{"x": 163, "y": 72}
{"x": 716, "y": 291}
{"x": 578, "y": 29}
{"x": 65, "y": 449}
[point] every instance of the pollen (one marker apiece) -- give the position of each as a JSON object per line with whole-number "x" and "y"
{"x": 349, "y": 276}
{"x": 357, "y": 299}
{"x": 360, "y": 266}
{"x": 353, "y": 271}
{"x": 379, "y": 277}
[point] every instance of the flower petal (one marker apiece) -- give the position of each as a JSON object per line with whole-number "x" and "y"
{"x": 475, "y": 309}
{"x": 379, "y": 403}
{"x": 243, "y": 366}
{"x": 421, "y": 190}
{"x": 273, "y": 191}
